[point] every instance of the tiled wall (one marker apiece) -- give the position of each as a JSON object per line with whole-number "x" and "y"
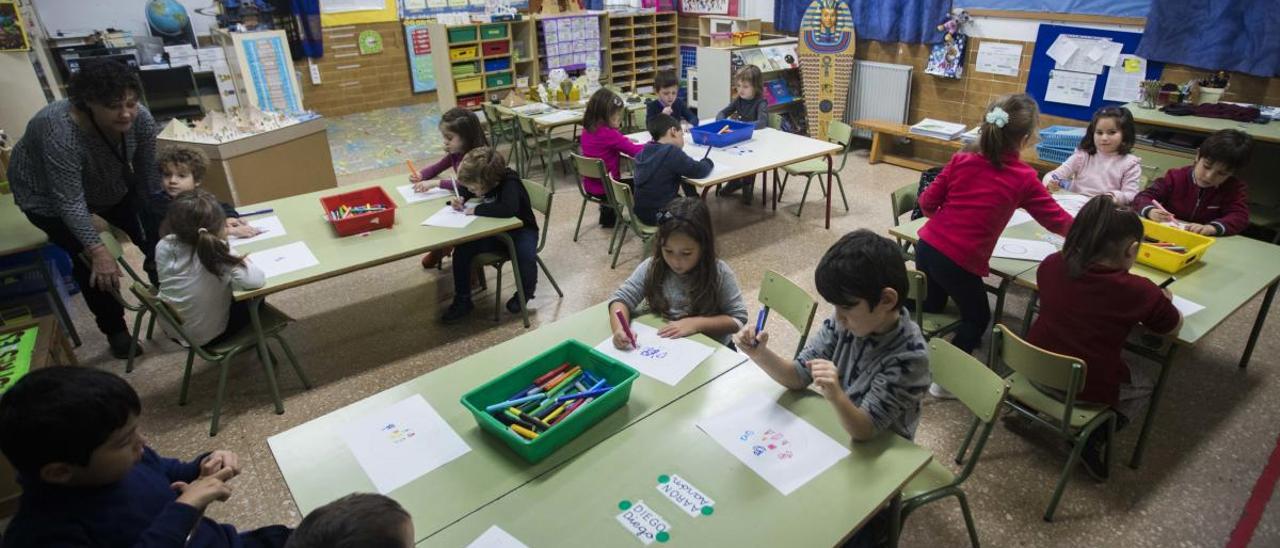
{"x": 350, "y": 82}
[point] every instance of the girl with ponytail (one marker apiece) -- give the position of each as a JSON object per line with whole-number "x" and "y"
{"x": 198, "y": 271}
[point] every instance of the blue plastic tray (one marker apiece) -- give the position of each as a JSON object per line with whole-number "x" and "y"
{"x": 1053, "y": 154}
{"x": 709, "y": 134}
{"x": 1062, "y": 136}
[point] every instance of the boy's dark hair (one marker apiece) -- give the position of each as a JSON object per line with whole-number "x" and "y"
{"x": 102, "y": 81}
{"x": 1101, "y": 232}
{"x": 601, "y": 108}
{"x": 1229, "y": 146}
{"x": 994, "y": 140}
{"x": 688, "y": 216}
{"x": 358, "y": 520}
{"x": 464, "y": 123}
{"x": 1124, "y": 122}
{"x": 660, "y": 124}
{"x": 181, "y": 156}
{"x": 665, "y": 79}
{"x": 61, "y": 414}
{"x": 858, "y": 267}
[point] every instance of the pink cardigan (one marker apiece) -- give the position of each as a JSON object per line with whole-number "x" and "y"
{"x": 605, "y": 143}
{"x": 970, "y": 202}
{"x": 1101, "y": 173}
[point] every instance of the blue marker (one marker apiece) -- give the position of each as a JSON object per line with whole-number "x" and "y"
{"x": 515, "y": 402}
{"x": 1064, "y": 184}
{"x": 587, "y": 394}
{"x": 258, "y": 212}
{"x": 760, "y": 319}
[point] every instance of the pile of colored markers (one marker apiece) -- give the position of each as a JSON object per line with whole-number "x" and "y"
{"x": 346, "y": 211}
{"x": 1165, "y": 245}
{"x": 552, "y": 397}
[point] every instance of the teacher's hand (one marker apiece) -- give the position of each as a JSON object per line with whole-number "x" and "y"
{"x": 106, "y": 273}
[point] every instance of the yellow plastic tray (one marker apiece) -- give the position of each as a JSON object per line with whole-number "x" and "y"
{"x": 463, "y": 53}
{"x": 469, "y": 85}
{"x": 1171, "y": 261}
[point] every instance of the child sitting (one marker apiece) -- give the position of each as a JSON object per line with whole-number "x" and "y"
{"x": 1205, "y": 197}
{"x": 748, "y": 106}
{"x": 88, "y": 478}
{"x": 1089, "y": 302}
{"x": 483, "y": 173}
{"x": 669, "y": 101}
{"x": 868, "y": 359}
{"x": 601, "y": 139}
{"x": 683, "y": 282}
{"x": 1102, "y": 163}
{"x": 182, "y": 169}
{"x": 662, "y": 166}
{"x": 198, "y": 272}
{"x": 358, "y": 520}
{"x": 461, "y": 132}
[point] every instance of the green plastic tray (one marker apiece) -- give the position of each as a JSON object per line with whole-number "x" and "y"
{"x": 616, "y": 373}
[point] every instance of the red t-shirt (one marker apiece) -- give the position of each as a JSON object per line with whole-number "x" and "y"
{"x": 1091, "y": 316}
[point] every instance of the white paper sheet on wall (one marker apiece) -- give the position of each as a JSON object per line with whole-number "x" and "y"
{"x": 1124, "y": 80}
{"x": 999, "y": 58}
{"x": 1072, "y": 88}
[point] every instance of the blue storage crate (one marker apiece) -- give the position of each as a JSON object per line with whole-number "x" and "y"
{"x": 495, "y": 65}
{"x": 1053, "y": 154}
{"x": 1067, "y": 137}
{"x": 709, "y": 134}
{"x": 32, "y": 282}
{"x": 688, "y": 58}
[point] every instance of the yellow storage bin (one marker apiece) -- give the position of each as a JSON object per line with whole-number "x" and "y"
{"x": 464, "y": 53}
{"x": 746, "y": 38}
{"x": 469, "y": 85}
{"x": 1160, "y": 258}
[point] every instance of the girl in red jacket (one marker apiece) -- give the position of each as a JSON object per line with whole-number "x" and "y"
{"x": 968, "y": 206}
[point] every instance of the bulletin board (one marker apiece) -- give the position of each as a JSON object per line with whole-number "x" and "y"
{"x": 422, "y": 73}
{"x": 1041, "y": 64}
{"x": 419, "y": 9}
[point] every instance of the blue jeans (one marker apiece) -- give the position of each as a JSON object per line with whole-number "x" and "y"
{"x": 526, "y": 241}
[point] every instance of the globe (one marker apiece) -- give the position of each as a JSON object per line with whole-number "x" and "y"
{"x": 167, "y": 17}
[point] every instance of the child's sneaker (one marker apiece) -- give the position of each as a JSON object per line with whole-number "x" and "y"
{"x": 936, "y": 390}
{"x": 1094, "y": 455}
{"x": 458, "y": 310}
{"x": 513, "y": 304}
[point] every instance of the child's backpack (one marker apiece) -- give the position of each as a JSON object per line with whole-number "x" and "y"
{"x": 926, "y": 179}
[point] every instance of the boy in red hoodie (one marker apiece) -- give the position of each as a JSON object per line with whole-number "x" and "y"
{"x": 1205, "y": 196}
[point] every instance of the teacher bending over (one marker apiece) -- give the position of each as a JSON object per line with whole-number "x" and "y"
{"x": 92, "y": 154}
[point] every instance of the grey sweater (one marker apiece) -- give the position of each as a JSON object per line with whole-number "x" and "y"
{"x": 753, "y": 111}
{"x": 884, "y": 375}
{"x": 675, "y": 288}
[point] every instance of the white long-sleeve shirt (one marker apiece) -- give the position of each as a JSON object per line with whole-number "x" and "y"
{"x": 201, "y": 298}
{"x": 1101, "y": 173}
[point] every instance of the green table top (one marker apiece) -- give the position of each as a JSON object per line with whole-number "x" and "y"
{"x": 1002, "y": 267}
{"x": 1263, "y": 132}
{"x": 17, "y": 234}
{"x": 318, "y": 467}
{"x": 303, "y": 219}
{"x": 1230, "y": 274}
{"x": 575, "y": 504}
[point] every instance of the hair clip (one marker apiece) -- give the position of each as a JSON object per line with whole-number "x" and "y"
{"x": 664, "y": 216}
{"x": 202, "y": 230}
{"x": 998, "y": 117}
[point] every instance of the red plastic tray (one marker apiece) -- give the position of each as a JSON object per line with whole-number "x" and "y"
{"x": 361, "y": 222}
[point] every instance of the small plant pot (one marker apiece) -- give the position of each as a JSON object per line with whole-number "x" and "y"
{"x": 1210, "y": 95}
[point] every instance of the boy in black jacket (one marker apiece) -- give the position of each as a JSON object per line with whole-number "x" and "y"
{"x": 669, "y": 101}
{"x": 661, "y": 167}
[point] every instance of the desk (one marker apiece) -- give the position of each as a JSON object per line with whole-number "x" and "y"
{"x": 18, "y": 236}
{"x": 882, "y": 131}
{"x": 768, "y": 149}
{"x": 318, "y": 467}
{"x": 1268, "y": 133}
{"x": 1233, "y": 271}
{"x": 575, "y": 504}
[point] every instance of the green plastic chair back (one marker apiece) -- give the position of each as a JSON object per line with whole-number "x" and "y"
{"x": 540, "y": 198}
{"x": 589, "y": 167}
{"x": 117, "y": 252}
{"x": 775, "y": 121}
{"x": 841, "y": 134}
{"x": 903, "y": 201}
{"x": 780, "y": 294}
{"x": 931, "y": 324}
{"x": 968, "y": 379}
{"x": 1042, "y": 367}
{"x": 170, "y": 318}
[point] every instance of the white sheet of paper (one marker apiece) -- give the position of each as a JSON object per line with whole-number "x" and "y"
{"x": 667, "y": 360}
{"x": 776, "y": 444}
{"x": 999, "y": 58}
{"x": 1186, "y": 306}
{"x": 401, "y": 442}
{"x": 1089, "y": 55}
{"x": 559, "y": 116}
{"x": 1072, "y": 88}
{"x": 270, "y": 227}
{"x": 1019, "y": 216}
{"x": 449, "y": 218}
{"x": 1123, "y": 85}
{"x": 1062, "y": 49}
{"x": 642, "y": 522}
{"x": 412, "y": 197}
{"x": 1072, "y": 203}
{"x": 1027, "y": 250}
{"x": 1109, "y": 52}
{"x": 684, "y": 495}
{"x": 495, "y": 537}
{"x": 284, "y": 259}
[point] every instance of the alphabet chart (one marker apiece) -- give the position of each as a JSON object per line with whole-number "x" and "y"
{"x": 667, "y": 360}
{"x": 773, "y": 442}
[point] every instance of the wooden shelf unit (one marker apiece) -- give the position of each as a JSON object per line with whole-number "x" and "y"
{"x": 638, "y": 45}
{"x": 487, "y": 74}
{"x": 707, "y": 23}
{"x": 538, "y": 44}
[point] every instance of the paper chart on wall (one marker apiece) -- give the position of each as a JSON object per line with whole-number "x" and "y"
{"x": 270, "y": 227}
{"x": 401, "y": 442}
{"x": 1124, "y": 81}
{"x": 773, "y": 442}
{"x": 666, "y": 360}
{"x": 1072, "y": 88}
{"x": 284, "y": 259}
{"x": 1027, "y": 250}
{"x": 999, "y": 58}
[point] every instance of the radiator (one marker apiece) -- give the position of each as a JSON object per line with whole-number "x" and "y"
{"x": 880, "y": 91}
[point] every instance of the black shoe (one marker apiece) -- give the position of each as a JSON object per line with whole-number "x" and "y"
{"x": 119, "y": 343}
{"x": 1094, "y": 455}
{"x": 748, "y": 192}
{"x": 731, "y": 187}
{"x": 513, "y": 304}
{"x": 458, "y": 310}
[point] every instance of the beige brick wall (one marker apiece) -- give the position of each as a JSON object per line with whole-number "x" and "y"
{"x": 350, "y": 82}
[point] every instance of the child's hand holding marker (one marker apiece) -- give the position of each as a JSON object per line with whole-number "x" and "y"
{"x": 623, "y": 337}
{"x": 751, "y": 341}
{"x": 1159, "y": 213}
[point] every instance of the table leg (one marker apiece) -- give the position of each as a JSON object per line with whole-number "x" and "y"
{"x": 764, "y": 188}
{"x": 1257, "y": 324}
{"x": 775, "y": 190}
{"x": 264, "y": 354}
{"x": 877, "y": 148}
{"x": 829, "y": 189}
{"x": 705, "y": 189}
{"x": 515, "y": 271}
{"x": 58, "y": 306}
{"x": 1000, "y": 294}
{"x": 1165, "y": 365}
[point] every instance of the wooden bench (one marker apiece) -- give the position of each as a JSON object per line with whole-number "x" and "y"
{"x": 882, "y": 131}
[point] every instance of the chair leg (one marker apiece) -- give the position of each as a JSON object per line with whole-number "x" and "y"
{"x": 843, "y": 198}
{"x": 582, "y": 210}
{"x": 550, "y": 278}
{"x": 151, "y": 326}
{"x": 964, "y": 447}
{"x": 186, "y": 377}
{"x": 293, "y": 361}
{"x": 968, "y": 518}
{"x": 1077, "y": 448}
{"x": 223, "y": 364}
{"x": 618, "y": 233}
{"x": 617, "y": 250}
{"x": 805, "y": 195}
{"x": 133, "y": 339}
{"x": 497, "y": 295}
{"x": 265, "y": 357}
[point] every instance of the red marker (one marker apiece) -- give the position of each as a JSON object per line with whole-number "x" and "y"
{"x": 626, "y": 326}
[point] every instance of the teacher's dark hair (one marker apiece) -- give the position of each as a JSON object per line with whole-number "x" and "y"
{"x": 103, "y": 81}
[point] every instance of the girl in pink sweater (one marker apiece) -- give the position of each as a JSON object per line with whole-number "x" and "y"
{"x": 1102, "y": 163}
{"x": 968, "y": 206}
{"x": 601, "y": 139}
{"x": 461, "y": 131}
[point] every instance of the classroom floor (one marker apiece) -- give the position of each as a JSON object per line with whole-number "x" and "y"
{"x": 370, "y": 330}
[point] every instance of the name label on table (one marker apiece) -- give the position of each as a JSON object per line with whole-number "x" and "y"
{"x": 643, "y": 523}
{"x": 683, "y": 494}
